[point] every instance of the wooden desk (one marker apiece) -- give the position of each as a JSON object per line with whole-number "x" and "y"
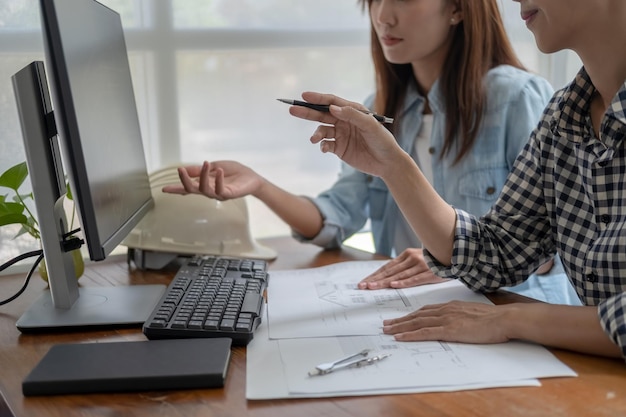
{"x": 600, "y": 389}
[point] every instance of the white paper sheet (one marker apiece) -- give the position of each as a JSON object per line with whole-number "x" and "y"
{"x": 317, "y": 315}
{"x": 325, "y": 301}
{"x": 413, "y": 364}
{"x": 266, "y": 377}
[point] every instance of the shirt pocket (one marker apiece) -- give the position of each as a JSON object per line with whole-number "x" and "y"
{"x": 377, "y": 197}
{"x": 483, "y": 185}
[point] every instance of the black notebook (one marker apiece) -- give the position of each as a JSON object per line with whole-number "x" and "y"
{"x": 130, "y": 366}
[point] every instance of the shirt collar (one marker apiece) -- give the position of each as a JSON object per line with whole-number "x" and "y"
{"x": 413, "y": 98}
{"x": 617, "y": 109}
{"x": 571, "y": 117}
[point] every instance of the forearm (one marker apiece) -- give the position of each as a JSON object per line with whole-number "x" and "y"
{"x": 431, "y": 218}
{"x": 298, "y": 212}
{"x": 568, "y": 327}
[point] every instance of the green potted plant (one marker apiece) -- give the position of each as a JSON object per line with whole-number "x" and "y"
{"x": 15, "y": 210}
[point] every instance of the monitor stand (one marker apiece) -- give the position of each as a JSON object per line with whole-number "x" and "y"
{"x": 96, "y": 306}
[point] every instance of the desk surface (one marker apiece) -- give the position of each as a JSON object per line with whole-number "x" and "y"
{"x": 599, "y": 390}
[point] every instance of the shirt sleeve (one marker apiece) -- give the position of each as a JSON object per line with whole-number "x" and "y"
{"x": 330, "y": 237}
{"x": 344, "y": 208}
{"x": 505, "y": 246}
{"x": 474, "y": 262}
{"x": 612, "y": 313}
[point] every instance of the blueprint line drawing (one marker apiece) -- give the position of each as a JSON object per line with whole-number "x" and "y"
{"x": 413, "y": 364}
{"x": 325, "y": 301}
{"x": 346, "y": 295}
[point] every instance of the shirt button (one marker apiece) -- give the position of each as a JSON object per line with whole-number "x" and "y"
{"x": 431, "y": 150}
{"x": 605, "y": 218}
{"x": 592, "y": 277}
{"x": 491, "y": 190}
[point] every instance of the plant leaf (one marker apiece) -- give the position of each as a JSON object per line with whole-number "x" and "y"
{"x": 28, "y": 227}
{"x": 68, "y": 194}
{"x": 10, "y": 208}
{"x": 12, "y": 218}
{"x": 21, "y": 232}
{"x": 24, "y": 197}
{"x": 14, "y": 177}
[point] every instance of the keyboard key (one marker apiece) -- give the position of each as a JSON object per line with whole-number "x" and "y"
{"x": 212, "y": 324}
{"x": 252, "y": 303}
{"x": 195, "y": 324}
{"x": 227, "y": 324}
{"x": 243, "y": 325}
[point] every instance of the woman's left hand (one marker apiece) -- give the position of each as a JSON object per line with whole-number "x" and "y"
{"x": 456, "y": 321}
{"x": 409, "y": 269}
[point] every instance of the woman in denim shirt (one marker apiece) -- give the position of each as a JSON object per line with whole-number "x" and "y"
{"x": 515, "y": 100}
{"x": 426, "y": 61}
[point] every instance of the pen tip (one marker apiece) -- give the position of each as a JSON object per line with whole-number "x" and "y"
{"x": 284, "y": 100}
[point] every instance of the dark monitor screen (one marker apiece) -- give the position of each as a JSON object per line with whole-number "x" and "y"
{"x": 92, "y": 102}
{"x": 97, "y": 118}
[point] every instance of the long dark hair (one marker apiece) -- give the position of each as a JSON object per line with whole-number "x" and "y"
{"x": 479, "y": 44}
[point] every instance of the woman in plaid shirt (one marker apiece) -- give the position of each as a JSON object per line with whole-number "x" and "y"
{"x": 566, "y": 194}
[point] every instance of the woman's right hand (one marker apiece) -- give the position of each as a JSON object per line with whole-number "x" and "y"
{"x": 221, "y": 180}
{"x": 350, "y": 133}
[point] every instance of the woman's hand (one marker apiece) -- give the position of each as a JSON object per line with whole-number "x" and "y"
{"x": 576, "y": 328}
{"x": 221, "y": 180}
{"x": 409, "y": 269}
{"x": 456, "y": 321}
{"x": 354, "y": 136}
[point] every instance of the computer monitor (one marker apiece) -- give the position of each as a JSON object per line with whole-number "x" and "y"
{"x": 93, "y": 107}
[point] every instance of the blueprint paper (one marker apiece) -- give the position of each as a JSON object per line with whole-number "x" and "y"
{"x": 325, "y": 301}
{"x": 266, "y": 376}
{"x": 413, "y": 364}
{"x": 317, "y": 315}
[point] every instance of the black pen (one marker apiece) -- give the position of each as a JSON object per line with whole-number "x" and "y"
{"x": 325, "y": 108}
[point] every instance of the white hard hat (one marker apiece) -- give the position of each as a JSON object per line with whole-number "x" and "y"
{"x": 194, "y": 224}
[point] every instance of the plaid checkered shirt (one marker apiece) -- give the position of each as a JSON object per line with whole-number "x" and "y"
{"x": 566, "y": 193}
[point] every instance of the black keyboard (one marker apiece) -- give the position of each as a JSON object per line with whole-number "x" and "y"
{"x": 211, "y": 296}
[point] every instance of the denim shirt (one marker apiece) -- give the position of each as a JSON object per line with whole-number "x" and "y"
{"x": 515, "y": 101}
